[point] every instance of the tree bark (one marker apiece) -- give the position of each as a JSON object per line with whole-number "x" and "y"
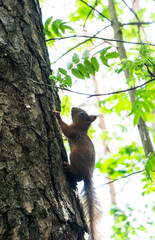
{"x": 36, "y": 201}
{"x": 143, "y": 131}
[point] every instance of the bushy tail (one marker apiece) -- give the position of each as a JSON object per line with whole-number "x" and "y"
{"x": 91, "y": 206}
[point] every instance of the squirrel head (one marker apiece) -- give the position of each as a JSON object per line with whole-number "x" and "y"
{"x": 81, "y": 118}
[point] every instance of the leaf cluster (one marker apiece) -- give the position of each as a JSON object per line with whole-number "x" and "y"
{"x": 149, "y": 175}
{"x": 144, "y": 104}
{"x": 56, "y": 28}
{"x": 115, "y": 104}
{"x": 127, "y": 160}
{"x": 144, "y": 98}
{"x": 83, "y": 67}
{"x": 126, "y": 223}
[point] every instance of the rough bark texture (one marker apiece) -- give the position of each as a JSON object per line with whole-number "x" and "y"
{"x": 36, "y": 201}
{"x": 143, "y": 131}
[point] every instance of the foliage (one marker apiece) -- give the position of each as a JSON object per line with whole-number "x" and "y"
{"x": 149, "y": 175}
{"x": 127, "y": 160}
{"x": 66, "y": 106}
{"x": 81, "y": 12}
{"x": 115, "y": 103}
{"x": 144, "y": 104}
{"x": 83, "y": 67}
{"x": 54, "y": 29}
{"x": 130, "y": 159}
{"x": 126, "y": 223}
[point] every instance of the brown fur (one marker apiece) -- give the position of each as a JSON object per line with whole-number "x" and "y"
{"x": 82, "y": 159}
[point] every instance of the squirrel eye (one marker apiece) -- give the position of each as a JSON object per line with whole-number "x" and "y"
{"x": 81, "y": 113}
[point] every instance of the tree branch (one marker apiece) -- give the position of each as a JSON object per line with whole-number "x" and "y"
{"x": 131, "y": 11}
{"x": 95, "y": 4}
{"x": 140, "y": 171}
{"x": 152, "y": 74}
{"x": 143, "y": 131}
{"x": 101, "y": 38}
{"x": 137, "y": 23}
{"x": 79, "y": 44}
{"x": 94, "y": 95}
{"x": 96, "y": 10}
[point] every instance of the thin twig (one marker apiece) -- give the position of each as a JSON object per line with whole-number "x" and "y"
{"x": 79, "y": 44}
{"x": 137, "y": 23}
{"x": 94, "y": 95}
{"x": 100, "y": 38}
{"x": 152, "y": 74}
{"x": 95, "y": 10}
{"x": 140, "y": 171}
{"x": 126, "y": 90}
{"x": 138, "y": 26}
{"x": 131, "y": 11}
{"x": 95, "y": 4}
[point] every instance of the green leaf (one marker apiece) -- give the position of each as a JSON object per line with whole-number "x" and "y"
{"x": 86, "y": 54}
{"x": 69, "y": 65}
{"x": 104, "y": 50}
{"x": 83, "y": 70}
{"x": 75, "y": 58}
{"x": 68, "y": 80}
{"x": 55, "y": 27}
{"x": 59, "y": 77}
{"x": 152, "y": 16}
{"x": 143, "y": 115}
{"x": 77, "y": 73}
{"x": 63, "y": 27}
{"x": 47, "y": 23}
{"x": 63, "y": 71}
{"x": 150, "y": 167}
{"x": 47, "y": 28}
{"x": 89, "y": 66}
{"x": 141, "y": 12}
{"x": 112, "y": 55}
{"x": 52, "y": 77}
{"x": 66, "y": 106}
{"x": 95, "y": 63}
{"x": 104, "y": 60}
{"x": 136, "y": 118}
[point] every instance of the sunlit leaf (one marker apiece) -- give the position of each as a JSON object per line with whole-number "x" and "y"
{"x": 77, "y": 73}
{"x": 63, "y": 71}
{"x": 95, "y": 63}
{"x": 75, "y": 58}
{"x": 68, "y": 80}
{"x": 112, "y": 55}
{"x": 83, "y": 70}
{"x": 86, "y": 54}
{"x": 89, "y": 66}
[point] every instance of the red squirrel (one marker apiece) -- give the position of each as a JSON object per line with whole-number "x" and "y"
{"x": 82, "y": 160}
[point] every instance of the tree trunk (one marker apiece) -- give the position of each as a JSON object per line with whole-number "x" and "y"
{"x": 36, "y": 201}
{"x": 143, "y": 131}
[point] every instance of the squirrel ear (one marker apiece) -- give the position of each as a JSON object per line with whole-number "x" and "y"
{"x": 92, "y": 118}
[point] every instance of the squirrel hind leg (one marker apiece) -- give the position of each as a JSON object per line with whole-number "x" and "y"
{"x": 72, "y": 177}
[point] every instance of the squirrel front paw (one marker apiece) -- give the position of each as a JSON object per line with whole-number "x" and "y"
{"x": 66, "y": 164}
{"x": 56, "y": 113}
